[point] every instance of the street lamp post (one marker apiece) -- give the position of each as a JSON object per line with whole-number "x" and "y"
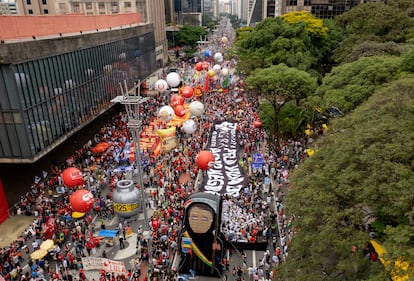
{"x": 132, "y": 100}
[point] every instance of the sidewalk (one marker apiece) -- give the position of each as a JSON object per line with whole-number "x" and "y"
{"x": 12, "y": 228}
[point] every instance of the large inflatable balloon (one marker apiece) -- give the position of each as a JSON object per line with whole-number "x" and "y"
{"x": 199, "y": 66}
{"x": 217, "y": 68}
{"x": 126, "y": 199}
{"x": 207, "y": 53}
{"x": 166, "y": 113}
{"x": 205, "y": 160}
{"x": 189, "y": 126}
{"x": 218, "y": 57}
{"x": 210, "y": 73}
{"x": 224, "y": 39}
{"x": 205, "y": 65}
{"x": 196, "y": 108}
{"x": 187, "y": 92}
{"x": 180, "y": 110}
{"x": 176, "y": 100}
{"x": 81, "y": 201}
{"x": 225, "y": 71}
{"x": 173, "y": 79}
{"x": 161, "y": 85}
{"x": 72, "y": 177}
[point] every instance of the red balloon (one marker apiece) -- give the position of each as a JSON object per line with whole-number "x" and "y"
{"x": 205, "y": 160}
{"x": 176, "y": 100}
{"x": 187, "y": 92}
{"x": 72, "y": 177}
{"x": 81, "y": 201}
{"x": 257, "y": 124}
{"x": 180, "y": 110}
{"x": 205, "y": 65}
{"x": 199, "y": 66}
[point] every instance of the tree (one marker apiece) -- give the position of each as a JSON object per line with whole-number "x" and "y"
{"x": 303, "y": 42}
{"x": 349, "y": 85}
{"x": 374, "y": 48}
{"x": 188, "y": 35}
{"x": 365, "y": 160}
{"x": 408, "y": 61}
{"x": 279, "y": 85}
{"x": 379, "y": 22}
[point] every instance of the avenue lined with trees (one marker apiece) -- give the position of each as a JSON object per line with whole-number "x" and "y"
{"x": 353, "y": 74}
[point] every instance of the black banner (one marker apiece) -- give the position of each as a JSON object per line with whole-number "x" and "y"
{"x": 226, "y": 177}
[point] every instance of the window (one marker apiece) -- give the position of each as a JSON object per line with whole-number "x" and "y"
{"x": 307, "y": 2}
{"x": 89, "y": 6}
{"x": 127, "y": 4}
{"x": 44, "y": 2}
{"x": 101, "y": 6}
{"x": 292, "y": 2}
{"x": 30, "y": 11}
{"x": 29, "y": 2}
{"x": 45, "y": 11}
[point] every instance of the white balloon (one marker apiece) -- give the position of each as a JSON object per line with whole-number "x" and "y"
{"x": 161, "y": 85}
{"x": 217, "y": 68}
{"x": 173, "y": 79}
{"x": 225, "y": 71}
{"x": 189, "y": 126}
{"x": 218, "y": 57}
{"x": 166, "y": 113}
{"x": 224, "y": 39}
{"x": 196, "y": 108}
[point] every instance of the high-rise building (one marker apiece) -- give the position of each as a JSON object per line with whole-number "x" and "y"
{"x": 53, "y": 85}
{"x": 8, "y": 8}
{"x": 151, "y": 11}
{"x": 260, "y": 9}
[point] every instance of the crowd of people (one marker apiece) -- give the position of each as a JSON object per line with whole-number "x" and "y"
{"x": 170, "y": 177}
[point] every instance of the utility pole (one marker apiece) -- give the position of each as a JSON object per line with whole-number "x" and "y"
{"x": 132, "y": 100}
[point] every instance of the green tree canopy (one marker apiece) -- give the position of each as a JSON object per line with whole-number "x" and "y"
{"x": 279, "y": 85}
{"x": 365, "y": 162}
{"x": 188, "y": 35}
{"x": 348, "y": 85}
{"x": 375, "y": 22}
{"x": 294, "y": 42}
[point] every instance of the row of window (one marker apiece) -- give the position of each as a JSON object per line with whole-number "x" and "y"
{"x": 29, "y": 2}
{"x": 295, "y": 2}
{"x": 59, "y": 93}
{"x": 45, "y": 11}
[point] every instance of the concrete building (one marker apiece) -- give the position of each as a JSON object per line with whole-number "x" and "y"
{"x": 151, "y": 11}
{"x": 156, "y": 16}
{"x": 8, "y": 8}
{"x": 53, "y": 85}
{"x": 260, "y": 9}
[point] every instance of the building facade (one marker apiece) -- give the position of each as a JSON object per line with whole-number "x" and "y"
{"x": 324, "y": 9}
{"x": 8, "y": 8}
{"x": 151, "y": 11}
{"x": 51, "y": 88}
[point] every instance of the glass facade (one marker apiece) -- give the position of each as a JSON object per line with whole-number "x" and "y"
{"x": 43, "y": 100}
